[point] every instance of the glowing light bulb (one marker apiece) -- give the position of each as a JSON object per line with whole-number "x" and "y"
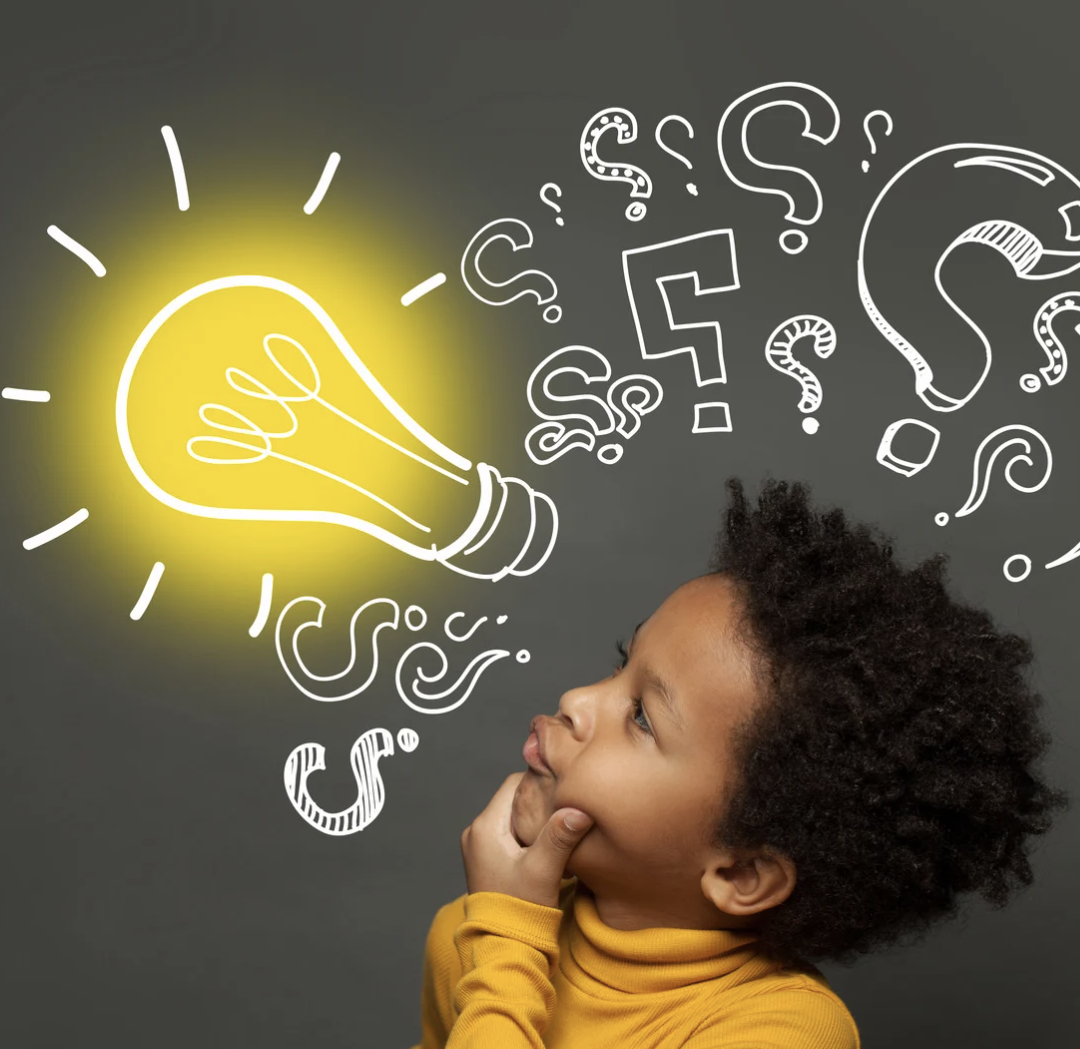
{"x": 293, "y": 454}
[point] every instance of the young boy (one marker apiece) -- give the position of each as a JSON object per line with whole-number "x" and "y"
{"x": 804, "y": 755}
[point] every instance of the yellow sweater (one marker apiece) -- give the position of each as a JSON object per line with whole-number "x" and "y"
{"x": 501, "y": 973}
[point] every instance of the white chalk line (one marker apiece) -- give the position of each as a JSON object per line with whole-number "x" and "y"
{"x": 422, "y": 288}
{"x": 76, "y": 248}
{"x": 179, "y": 177}
{"x": 148, "y": 590}
{"x": 266, "y": 599}
{"x": 12, "y": 393}
{"x": 323, "y": 184}
{"x": 50, "y": 534}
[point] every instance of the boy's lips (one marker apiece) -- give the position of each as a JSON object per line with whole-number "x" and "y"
{"x": 533, "y": 751}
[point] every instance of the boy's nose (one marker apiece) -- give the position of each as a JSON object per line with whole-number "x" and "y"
{"x": 577, "y": 708}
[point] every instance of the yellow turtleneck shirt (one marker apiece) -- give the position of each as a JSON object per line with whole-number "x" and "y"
{"x": 502, "y": 973}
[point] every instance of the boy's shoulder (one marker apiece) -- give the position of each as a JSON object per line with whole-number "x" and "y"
{"x": 788, "y": 999}
{"x": 787, "y": 1004}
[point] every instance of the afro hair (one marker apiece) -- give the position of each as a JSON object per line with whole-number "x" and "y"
{"x": 894, "y": 756}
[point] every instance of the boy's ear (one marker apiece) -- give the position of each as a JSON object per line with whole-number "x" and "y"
{"x": 748, "y": 883}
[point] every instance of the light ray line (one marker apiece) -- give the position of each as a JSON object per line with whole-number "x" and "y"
{"x": 266, "y": 599}
{"x": 423, "y": 288}
{"x": 12, "y": 393}
{"x": 66, "y": 525}
{"x": 177, "y": 161}
{"x": 323, "y": 184}
{"x": 148, "y": 590}
{"x": 76, "y": 248}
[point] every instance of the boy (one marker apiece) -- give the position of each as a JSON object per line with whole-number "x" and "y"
{"x": 804, "y": 755}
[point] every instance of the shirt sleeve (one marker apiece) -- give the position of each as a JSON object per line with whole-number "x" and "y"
{"x": 440, "y": 973}
{"x": 508, "y": 949}
{"x": 805, "y": 1017}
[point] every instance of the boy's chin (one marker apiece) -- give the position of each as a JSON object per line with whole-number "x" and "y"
{"x": 522, "y": 829}
{"x": 522, "y": 839}
{"x": 525, "y": 823}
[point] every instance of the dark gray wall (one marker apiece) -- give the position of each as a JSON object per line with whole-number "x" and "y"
{"x": 157, "y": 887}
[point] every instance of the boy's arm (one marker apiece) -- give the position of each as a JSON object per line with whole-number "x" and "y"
{"x": 508, "y": 949}
{"x": 441, "y": 972}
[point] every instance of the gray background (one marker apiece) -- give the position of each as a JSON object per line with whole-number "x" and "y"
{"x": 157, "y": 888}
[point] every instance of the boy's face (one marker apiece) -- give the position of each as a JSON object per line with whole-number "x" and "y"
{"x": 653, "y": 776}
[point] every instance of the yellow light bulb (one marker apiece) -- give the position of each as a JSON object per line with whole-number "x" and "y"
{"x": 308, "y": 433}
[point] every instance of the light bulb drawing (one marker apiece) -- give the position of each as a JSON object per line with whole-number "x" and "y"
{"x": 495, "y": 525}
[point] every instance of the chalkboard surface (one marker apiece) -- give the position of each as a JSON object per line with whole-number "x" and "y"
{"x": 584, "y": 255}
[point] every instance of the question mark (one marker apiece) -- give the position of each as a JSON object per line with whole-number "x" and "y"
{"x": 778, "y": 354}
{"x": 551, "y": 203}
{"x": 624, "y": 124}
{"x": 866, "y": 129}
{"x": 734, "y": 151}
{"x": 1043, "y": 326}
{"x": 1015, "y": 434}
{"x": 528, "y": 282}
{"x": 620, "y": 410}
{"x": 630, "y": 398}
{"x": 690, "y": 187}
{"x": 296, "y": 617}
{"x": 414, "y": 694}
{"x": 1035, "y": 228}
{"x": 364, "y": 758}
{"x": 549, "y": 440}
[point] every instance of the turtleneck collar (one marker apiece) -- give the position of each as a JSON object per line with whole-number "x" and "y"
{"x": 651, "y": 960}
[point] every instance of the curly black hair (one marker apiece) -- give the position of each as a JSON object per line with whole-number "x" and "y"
{"x": 894, "y": 756}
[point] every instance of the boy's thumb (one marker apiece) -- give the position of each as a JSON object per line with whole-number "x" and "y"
{"x": 576, "y": 823}
{"x": 562, "y": 833}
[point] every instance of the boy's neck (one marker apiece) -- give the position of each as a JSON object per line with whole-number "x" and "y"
{"x": 633, "y": 916}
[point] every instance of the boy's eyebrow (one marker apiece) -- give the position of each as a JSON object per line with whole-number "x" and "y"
{"x": 651, "y": 678}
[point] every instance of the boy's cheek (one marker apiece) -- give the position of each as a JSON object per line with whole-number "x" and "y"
{"x": 588, "y": 861}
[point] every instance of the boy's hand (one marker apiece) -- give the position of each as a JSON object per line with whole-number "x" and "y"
{"x": 495, "y": 862}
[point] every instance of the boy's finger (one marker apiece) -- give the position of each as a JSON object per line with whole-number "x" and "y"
{"x": 560, "y": 836}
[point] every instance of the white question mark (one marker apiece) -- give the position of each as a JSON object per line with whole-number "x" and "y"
{"x": 550, "y": 203}
{"x": 866, "y": 129}
{"x": 1057, "y": 361}
{"x": 735, "y": 151}
{"x": 778, "y": 354}
{"x": 624, "y": 124}
{"x": 1035, "y": 227}
{"x": 364, "y": 758}
{"x": 414, "y": 694}
{"x": 553, "y": 438}
{"x": 528, "y": 282}
{"x": 1015, "y": 434}
{"x": 630, "y": 398}
{"x": 619, "y": 410}
{"x": 690, "y": 187}
{"x": 376, "y": 614}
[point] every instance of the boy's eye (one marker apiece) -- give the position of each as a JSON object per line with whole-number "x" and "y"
{"x": 637, "y": 707}
{"x": 639, "y": 712}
